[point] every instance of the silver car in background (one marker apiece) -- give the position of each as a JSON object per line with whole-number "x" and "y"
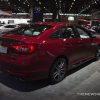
{"x": 8, "y": 27}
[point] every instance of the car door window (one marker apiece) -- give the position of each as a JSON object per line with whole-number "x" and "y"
{"x": 82, "y": 33}
{"x": 55, "y": 35}
{"x": 65, "y": 32}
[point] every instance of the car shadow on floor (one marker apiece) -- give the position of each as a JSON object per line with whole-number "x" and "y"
{"x": 28, "y": 86}
{"x": 22, "y": 85}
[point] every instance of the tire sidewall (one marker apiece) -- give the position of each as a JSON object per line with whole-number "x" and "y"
{"x": 97, "y": 53}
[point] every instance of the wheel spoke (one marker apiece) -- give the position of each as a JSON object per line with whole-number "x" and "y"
{"x": 62, "y": 71}
{"x": 55, "y": 75}
{"x": 57, "y": 68}
{"x": 59, "y": 76}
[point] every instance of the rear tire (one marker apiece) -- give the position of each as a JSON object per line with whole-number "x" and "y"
{"x": 58, "y": 70}
{"x": 97, "y": 56}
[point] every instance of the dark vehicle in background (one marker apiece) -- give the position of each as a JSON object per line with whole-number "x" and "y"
{"x": 8, "y": 27}
{"x": 46, "y": 50}
{"x": 93, "y": 32}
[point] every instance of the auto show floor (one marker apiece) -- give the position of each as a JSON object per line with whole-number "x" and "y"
{"x": 82, "y": 83}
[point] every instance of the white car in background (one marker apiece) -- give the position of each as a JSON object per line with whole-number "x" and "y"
{"x": 8, "y": 27}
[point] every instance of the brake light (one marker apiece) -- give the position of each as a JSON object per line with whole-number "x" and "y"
{"x": 24, "y": 49}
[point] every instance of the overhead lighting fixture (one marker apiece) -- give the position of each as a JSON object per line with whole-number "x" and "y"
{"x": 39, "y": 2}
{"x": 71, "y": 18}
{"x": 73, "y": 2}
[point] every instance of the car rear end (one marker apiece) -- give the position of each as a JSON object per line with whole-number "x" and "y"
{"x": 16, "y": 56}
{"x": 20, "y": 55}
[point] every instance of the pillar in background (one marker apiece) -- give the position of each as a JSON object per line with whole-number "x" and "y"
{"x": 36, "y": 11}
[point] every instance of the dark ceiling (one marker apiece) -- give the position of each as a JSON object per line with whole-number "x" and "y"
{"x": 63, "y": 6}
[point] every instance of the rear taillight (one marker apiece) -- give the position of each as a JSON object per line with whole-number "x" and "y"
{"x": 22, "y": 49}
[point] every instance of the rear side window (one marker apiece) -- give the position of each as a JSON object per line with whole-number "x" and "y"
{"x": 33, "y": 30}
{"x": 55, "y": 35}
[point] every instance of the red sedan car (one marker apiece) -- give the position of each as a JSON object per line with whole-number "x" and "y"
{"x": 46, "y": 50}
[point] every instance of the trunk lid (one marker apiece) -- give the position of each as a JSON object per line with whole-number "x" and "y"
{"x": 13, "y": 39}
{"x": 16, "y": 44}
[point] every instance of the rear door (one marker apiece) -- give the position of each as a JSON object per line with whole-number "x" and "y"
{"x": 71, "y": 44}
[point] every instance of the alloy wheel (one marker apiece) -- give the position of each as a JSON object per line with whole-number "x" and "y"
{"x": 58, "y": 70}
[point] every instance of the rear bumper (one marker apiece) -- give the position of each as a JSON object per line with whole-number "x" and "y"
{"x": 15, "y": 60}
{"x": 28, "y": 67}
{"x": 24, "y": 73}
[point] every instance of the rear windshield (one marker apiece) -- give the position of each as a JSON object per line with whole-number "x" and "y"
{"x": 33, "y": 30}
